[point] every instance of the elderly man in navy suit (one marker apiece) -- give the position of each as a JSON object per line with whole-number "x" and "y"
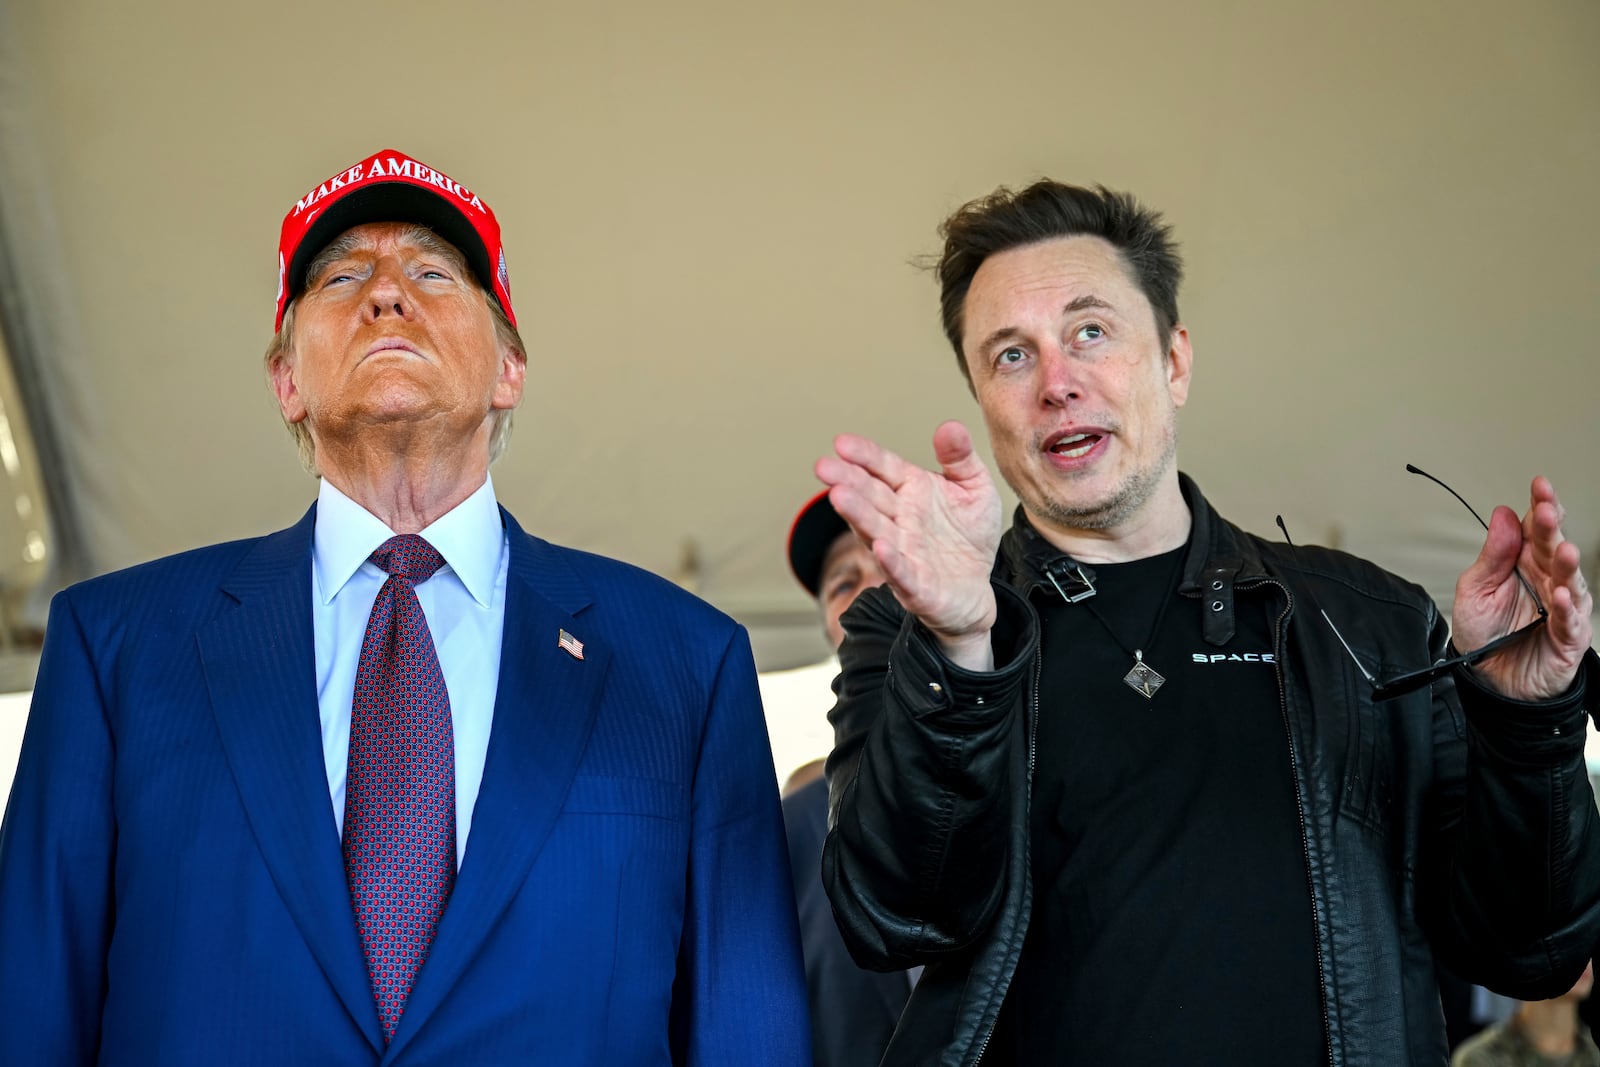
{"x": 401, "y": 784}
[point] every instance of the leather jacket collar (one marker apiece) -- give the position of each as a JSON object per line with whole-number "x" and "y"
{"x": 1218, "y": 561}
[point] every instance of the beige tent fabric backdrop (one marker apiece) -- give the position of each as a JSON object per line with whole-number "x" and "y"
{"x": 1388, "y": 209}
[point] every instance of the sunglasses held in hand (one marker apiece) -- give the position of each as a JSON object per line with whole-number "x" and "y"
{"x": 1391, "y": 685}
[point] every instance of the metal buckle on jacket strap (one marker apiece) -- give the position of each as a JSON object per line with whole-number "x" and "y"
{"x": 1079, "y": 582}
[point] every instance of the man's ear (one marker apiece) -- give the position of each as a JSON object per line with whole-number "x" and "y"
{"x": 513, "y": 374}
{"x": 1180, "y": 365}
{"x": 286, "y": 390}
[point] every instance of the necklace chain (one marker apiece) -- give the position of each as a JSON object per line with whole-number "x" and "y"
{"x": 1141, "y": 677}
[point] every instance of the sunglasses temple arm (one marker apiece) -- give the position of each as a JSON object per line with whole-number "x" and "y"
{"x": 1353, "y": 657}
{"x": 1418, "y": 470}
{"x": 1526, "y": 587}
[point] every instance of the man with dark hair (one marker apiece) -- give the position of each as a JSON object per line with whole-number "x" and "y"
{"x": 1130, "y": 780}
{"x": 853, "y": 1011}
{"x": 401, "y": 783}
{"x": 1046, "y": 210}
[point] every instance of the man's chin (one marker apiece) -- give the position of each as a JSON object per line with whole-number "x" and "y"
{"x": 380, "y": 419}
{"x": 1089, "y": 509}
{"x": 1097, "y": 518}
{"x": 399, "y": 398}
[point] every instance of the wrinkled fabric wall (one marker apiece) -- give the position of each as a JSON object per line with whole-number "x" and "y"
{"x": 711, "y": 211}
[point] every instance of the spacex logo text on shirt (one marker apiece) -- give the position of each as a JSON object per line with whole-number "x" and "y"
{"x": 1233, "y": 657}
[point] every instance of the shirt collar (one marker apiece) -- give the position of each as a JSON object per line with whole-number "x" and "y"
{"x": 469, "y": 536}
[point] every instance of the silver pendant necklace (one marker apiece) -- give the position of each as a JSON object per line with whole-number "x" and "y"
{"x": 1141, "y": 677}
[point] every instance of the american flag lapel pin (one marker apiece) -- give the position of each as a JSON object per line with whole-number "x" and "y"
{"x": 571, "y": 645}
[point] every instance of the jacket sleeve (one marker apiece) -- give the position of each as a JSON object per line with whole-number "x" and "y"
{"x": 1516, "y": 873}
{"x": 740, "y": 995}
{"x": 56, "y": 859}
{"x": 928, "y": 769}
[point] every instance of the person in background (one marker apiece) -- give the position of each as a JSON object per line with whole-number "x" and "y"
{"x": 1540, "y": 1033}
{"x": 853, "y": 1011}
{"x": 401, "y": 782}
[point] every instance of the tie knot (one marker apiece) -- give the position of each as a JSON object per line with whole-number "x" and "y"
{"x": 409, "y": 556}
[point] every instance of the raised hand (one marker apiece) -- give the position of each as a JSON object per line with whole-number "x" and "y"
{"x": 1490, "y": 602}
{"x": 934, "y": 533}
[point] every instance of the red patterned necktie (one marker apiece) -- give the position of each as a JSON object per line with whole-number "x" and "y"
{"x": 400, "y": 793}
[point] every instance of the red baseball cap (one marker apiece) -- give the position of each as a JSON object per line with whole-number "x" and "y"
{"x": 390, "y": 186}
{"x": 816, "y": 527}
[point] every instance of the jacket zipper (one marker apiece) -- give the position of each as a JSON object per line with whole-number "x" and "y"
{"x": 1300, "y": 803}
{"x": 1299, "y": 800}
{"x": 1033, "y": 733}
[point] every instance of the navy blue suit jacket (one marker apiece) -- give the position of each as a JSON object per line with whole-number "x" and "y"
{"x": 853, "y": 1011}
{"x": 171, "y": 885}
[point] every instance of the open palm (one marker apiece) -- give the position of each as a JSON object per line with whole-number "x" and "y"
{"x": 934, "y": 533}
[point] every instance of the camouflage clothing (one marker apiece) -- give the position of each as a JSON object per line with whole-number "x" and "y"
{"x": 1505, "y": 1045}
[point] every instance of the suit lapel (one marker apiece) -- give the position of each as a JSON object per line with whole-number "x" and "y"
{"x": 260, "y": 666}
{"x": 545, "y": 705}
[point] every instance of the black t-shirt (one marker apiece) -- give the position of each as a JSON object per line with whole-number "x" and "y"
{"x": 1172, "y": 910}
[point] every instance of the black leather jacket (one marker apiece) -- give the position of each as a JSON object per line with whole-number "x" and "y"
{"x": 1444, "y": 824}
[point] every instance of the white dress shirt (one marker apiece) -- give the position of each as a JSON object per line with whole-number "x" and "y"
{"x": 464, "y": 603}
